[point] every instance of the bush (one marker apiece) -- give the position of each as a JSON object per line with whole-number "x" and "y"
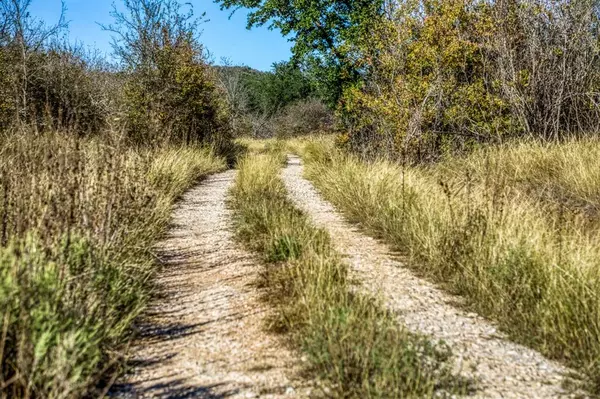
{"x": 46, "y": 83}
{"x": 62, "y": 93}
{"x": 304, "y": 117}
{"x": 171, "y": 95}
{"x": 443, "y": 76}
{"x": 177, "y": 102}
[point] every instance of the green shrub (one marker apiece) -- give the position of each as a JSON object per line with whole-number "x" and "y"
{"x": 444, "y": 76}
{"x": 177, "y": 101}
{"x": 63, "y": 307}
{"x": 171, "y": 94}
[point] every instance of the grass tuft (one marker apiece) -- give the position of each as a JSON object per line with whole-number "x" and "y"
{"x": 78, "y": 219}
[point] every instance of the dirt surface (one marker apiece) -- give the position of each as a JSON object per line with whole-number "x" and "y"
{"x": 501, "y": 369}
{"x": 203, "y": 336}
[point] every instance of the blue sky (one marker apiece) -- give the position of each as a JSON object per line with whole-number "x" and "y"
{"x": 258, "y": 48}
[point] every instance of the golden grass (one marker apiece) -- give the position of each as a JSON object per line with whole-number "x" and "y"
{"x": 78, "y": 219}
{"x": 513, "y": 229}
{"x": 565, "y": 177}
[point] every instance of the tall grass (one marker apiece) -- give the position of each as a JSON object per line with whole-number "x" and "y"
{"x": 513, "y": 229}
{"x": 78, "y": 219}
{"x": 563, "y": 178}
{"x": 351, "y": 342}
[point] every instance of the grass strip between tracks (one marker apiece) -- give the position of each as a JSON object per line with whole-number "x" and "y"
{"x": 352, "y": 344}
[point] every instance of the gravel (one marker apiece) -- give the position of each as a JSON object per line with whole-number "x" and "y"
{"x": 501, "y": 368}
{"x": 203, "y": 335}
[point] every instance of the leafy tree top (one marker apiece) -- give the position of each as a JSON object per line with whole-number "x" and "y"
{"x": 315, "y": 25}
{"x": 323, "y": 31}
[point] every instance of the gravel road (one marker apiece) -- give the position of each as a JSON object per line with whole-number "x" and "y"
{"x": 203, "y": 336}
{"x": 501, "y": 368}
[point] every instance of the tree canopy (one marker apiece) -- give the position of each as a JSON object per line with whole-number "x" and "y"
{"x": 323, "y": 32}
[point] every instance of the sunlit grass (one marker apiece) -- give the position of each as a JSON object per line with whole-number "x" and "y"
{"x": 78, "y": 220}
{"x": 513, "y": 229}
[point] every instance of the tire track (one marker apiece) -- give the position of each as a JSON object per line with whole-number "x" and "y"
{"x": 501, "y": 368}
{"x": 204, "y": 334}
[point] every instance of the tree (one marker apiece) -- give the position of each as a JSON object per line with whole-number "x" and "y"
{"x": 146, "y": 27}
{"x": 448, "y": 75}
{"x": 234, "y": 80}
{"x": 272, "y": 91}
{"x": 256, "y": 99}
{"x": 171, "y": 94}
{"x": 322, "y": 31}
{"x": 22, "y": 37}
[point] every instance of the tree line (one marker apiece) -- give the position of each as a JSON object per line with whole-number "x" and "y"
{"x": 162, "y": 89}
{"x": 418, "y": 78}
{"x": 284, "y": 101}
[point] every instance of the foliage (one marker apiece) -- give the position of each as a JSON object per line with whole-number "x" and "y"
{"x": 171, "y": 94}
{"x": 322, "y": 31}
{"x": 261, "y": 100}
{"x": 64, "y": 93}
{"x": 273, "y": 91}
{"x": 234, "y": 82}
{"x": 446, "y": 75}
{"x": 303, "y": 118}
{"x": 265, "y": 93}
{"x": 6, "y": 103}
{"x": 44, "y": 81}
{"x": 428, "y": 82}
{"x": 179, "y": 101}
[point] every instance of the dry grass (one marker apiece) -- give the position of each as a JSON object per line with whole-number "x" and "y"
{"x": 352, "y": 343}
{"x": 78, "y": 218}
{"x": 564, "y": 177}
{"x": 513, "y": 229}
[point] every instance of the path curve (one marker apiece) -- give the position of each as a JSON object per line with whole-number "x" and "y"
{"x": 203, "y": 337}
{"x": 501, "y": 368}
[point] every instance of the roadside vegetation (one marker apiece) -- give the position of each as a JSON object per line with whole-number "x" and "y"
{"x": 78, "y": 221}
{"x": 352, "y": 343}
{"x": 284, "y": 102}
{"x": 92, "y": 160}
{"x": 467, "y": 136}
{"x": 463, "y": 132}
{"x": 513, "y": 229}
